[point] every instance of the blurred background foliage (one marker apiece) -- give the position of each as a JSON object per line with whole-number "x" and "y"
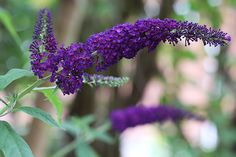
{"x": 199, "y": 78}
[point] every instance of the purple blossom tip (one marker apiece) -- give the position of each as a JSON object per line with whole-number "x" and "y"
{"x": 140, "y": 115}
{"x": 44, "y": 46}
{"x": 228, "y": 38}
{"x": 125, "y": 40}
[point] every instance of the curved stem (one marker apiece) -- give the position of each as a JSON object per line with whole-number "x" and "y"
{"x": 29, "y": 89}
{"x": 65, "y": 150}
{"x": 5, "y": 103}
{"x": 3, "y": 111}
{"x": 23, "y": 93}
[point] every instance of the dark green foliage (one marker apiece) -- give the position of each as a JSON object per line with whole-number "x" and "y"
{"x": 11, "y": 144}
{"x": 13, "y": 75}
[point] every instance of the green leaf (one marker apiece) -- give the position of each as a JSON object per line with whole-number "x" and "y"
{"x": 85, "y": 120}
{"x": 103, "y": 136}
{"x": 39, "y": 114}
{"x": 181, "y": 54}
{"x": 5, "y": 18}
{"x": 100, "y": 80}
{"x": 85, "y": 150}
{"x": 81, "y": 127}
{"x": 11, "y": 144}
{"x": 76, "y": 125}
{"x": 1, "y": 154}
{"x": 51, "y": 95}
{"x": 101, "y": 133}
{"x": 185, "y": 54}
{"x": 232, "y": 2}
{"x": 13, "y": 75}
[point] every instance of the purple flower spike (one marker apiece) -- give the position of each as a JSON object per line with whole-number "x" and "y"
{"x": 140, "y": 115}
{"x": 125, "y": 40}
{"x": 44, "y": 46}
{"x": 73, "y": 61}
{"x": 67, "y": 65}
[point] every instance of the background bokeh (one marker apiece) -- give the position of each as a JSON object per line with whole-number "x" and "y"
{"x": 198, "y": 78}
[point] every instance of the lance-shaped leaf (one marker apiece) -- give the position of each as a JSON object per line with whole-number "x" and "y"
{"x": 51, "y": 94}
{"x": 101, "y": 80}
{"x": 13, "y": 75}
{"x": 39, "y": 114}
{"x": 85, "y": 150}
{"x": 11, "y": 144}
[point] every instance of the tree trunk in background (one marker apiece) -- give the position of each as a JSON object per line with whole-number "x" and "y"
{"x": 85, "y": 102}
{"x": 71, "y": 14}
{"x": 223, "y": 70}
{"x": 146, "y": 69}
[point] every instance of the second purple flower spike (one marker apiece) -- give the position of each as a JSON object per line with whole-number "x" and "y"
{"x": 140, "y": 115}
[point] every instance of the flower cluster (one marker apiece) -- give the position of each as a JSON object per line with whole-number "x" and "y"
{"x": 67, "y": 65}
{"x": 73, "y": 61}
{"x": 125, "y": 40}
{"x": 140, "y": 115}
{"x": 44, "y": 46}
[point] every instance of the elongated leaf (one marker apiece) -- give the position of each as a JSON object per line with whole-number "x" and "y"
{"x": 85, "y": 150}
{"x": 76, "y": 125}
{"x": 13, "y": 75}
{"x": 51, "y": 95}
{"x": 39, "y": 114}
{"x": 5, "y": 18}
{"x": 11, "y": 144}
{"x": 101, "y": 133}
{"x": 1, "y": 154}
{"x": 103, "y": 136}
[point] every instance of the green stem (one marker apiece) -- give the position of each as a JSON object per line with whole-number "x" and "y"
{"x": 23, "y": 93}
{"x": 31, "y": 87}
{"x": 65, "y": 150}
{"x": 3, "y": 110}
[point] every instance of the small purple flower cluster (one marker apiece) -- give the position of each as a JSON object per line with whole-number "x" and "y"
{"x": 140, "y": 115}
{"x": 66, "y": 65}
{"x": 44, "y": 46}
{"x": 73, "y": 61}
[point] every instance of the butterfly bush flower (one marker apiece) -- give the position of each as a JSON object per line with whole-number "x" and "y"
{"x": 44, "y": 46}
{"x": 139, "y": 115}
{"x": 125, "y": 40}
{"x": 66, "y": 65}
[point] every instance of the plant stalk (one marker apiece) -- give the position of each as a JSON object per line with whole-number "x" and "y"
{"x": 65, "y": 150}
